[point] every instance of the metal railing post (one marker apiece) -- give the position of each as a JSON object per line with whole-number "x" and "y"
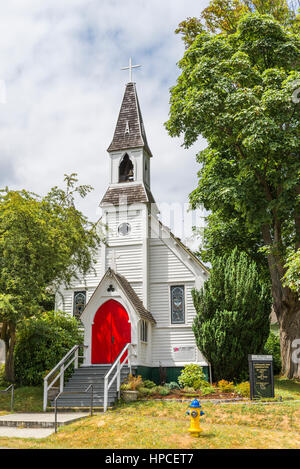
{"x": 12, "y": 398}
{"x": 45, "y": 401}
{"x": 76, "y": 358}
{"x": 118, "y": 378}
{"x": 105, "y": 394}
{"x": 55, "y": 414}
{"x": 129, "y": 358}
{"x": 62, "y": 376}
{"x": 92, "y": 400}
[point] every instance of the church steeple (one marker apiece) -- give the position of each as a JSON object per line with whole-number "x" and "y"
{"x": 130, "y": 131}
{"x": 130, "y": 155}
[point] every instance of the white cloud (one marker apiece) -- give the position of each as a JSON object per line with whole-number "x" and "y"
{"x": 61, "y": 65}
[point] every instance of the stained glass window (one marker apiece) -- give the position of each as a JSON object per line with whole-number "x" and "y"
{"x": 177, "y": 304}
{"x": 79, "y": 303}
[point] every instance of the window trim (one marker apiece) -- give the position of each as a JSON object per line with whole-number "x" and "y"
{"x": 182, "y": 285}
{"x": 144, "y": 331}
{"x": 76, "y": 292}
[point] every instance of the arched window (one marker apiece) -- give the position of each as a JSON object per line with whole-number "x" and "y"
{"x": 126, "y": 170}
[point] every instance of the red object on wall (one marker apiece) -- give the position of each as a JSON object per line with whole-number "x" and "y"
{"x": 111, "y": 331}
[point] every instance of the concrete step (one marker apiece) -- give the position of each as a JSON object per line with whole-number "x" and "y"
{"x": 39, "y": 420}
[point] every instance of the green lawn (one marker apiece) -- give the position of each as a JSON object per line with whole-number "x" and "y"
{"x": 164, "y": 425}
{"x": 26, "y": 399}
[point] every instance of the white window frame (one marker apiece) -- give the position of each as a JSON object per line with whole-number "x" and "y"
{"x": 177, "y": 324}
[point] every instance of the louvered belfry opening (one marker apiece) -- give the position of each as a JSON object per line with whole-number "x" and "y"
{"x": 126, "y": 170}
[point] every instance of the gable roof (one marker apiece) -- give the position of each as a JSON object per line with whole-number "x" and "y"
{"x": 129, "y": 131}
{"x": 128, "y": 194}
{"x": 133, "y": 298}
{"x": 182, "y": 245}
{"x": 128, "y": 291}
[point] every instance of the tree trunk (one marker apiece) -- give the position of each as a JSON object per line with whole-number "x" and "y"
{"x": 10, "y": 348}
{"x": 287, "y": 308}
{"x": 289, "y": 322}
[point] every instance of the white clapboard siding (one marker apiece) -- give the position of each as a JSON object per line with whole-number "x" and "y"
{"x": 160, "y": 306}
{"x": 115, "y": 219}
{"x": 165, "y": 266}
{"x": 128, "y": 260}
{"x": 190, "y": 309}
{"x": 165, "y": 340}
{"x": 143, "y": 353}
{"x": 160, "y": 303}
{"x": 64, "y": 301}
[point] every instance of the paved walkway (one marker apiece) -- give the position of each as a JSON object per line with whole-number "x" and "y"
{"x": 35, "y": 425}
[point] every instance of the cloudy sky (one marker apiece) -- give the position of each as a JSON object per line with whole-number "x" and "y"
{"x": 61, "y": 89}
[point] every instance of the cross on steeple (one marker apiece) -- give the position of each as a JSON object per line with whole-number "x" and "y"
{"x": 130, "y": 67}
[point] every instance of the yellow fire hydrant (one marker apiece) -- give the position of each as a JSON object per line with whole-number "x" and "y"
{"x": 195, "y": 414}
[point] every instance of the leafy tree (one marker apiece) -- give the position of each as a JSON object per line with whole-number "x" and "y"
{"x": 44, "y": 242}
{"x": 237, "y": 92}
{"x": 292, "y": 274}
{"x": 272, "y": 347}
{"x": 189, "y": 29}
{"x": 223, "y": 16}
{"x": 41, "y": 342}
{"x": 233, "y": 311}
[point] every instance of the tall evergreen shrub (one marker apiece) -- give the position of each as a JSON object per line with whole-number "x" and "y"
{"x": 233, "y": 311}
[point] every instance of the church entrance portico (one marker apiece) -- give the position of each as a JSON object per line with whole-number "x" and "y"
{"x": 111, "y": 331}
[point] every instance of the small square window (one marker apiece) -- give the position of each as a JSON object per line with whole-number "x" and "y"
{"x": 177, "y": 305}
{"x": 79, "y": 303}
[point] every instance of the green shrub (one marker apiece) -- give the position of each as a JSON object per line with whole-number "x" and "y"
{"x": 41, "y": 343}
{"x": 162, "y": 390}
{"x": 3, "y": 382}
{"x": 172, "y": 385}
{"x": 144, "y": 391}
{"x": 190, "y": 374}
{"x": 272, "y": 347}
{"x": 243, "y": 389}
{"x": 189, "y": 389}
{"x": 149, "y": 384}
{"x": 209, "y": 389}
{"x": 233, "y": 311}
{"x": 203, "y": 386}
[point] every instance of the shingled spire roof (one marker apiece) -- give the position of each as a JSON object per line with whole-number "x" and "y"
{"x": 129, "y": 132}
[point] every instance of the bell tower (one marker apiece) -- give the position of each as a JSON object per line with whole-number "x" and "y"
{"x": 129, "y": 152}
{"x": 128, "y": 202}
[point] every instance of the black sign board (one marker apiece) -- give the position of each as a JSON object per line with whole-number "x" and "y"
{"x": 261, "y": 376}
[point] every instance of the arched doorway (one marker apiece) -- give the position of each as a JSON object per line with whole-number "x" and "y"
{"x": 111, "y": 331}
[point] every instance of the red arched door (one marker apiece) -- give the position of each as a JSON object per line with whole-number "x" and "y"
{"x": 111, "y": 331}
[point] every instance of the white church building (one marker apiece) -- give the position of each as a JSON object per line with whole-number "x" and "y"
{"x": 139, "y": 291}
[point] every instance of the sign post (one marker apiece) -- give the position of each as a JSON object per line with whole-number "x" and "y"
{"x": 261, "y": 376}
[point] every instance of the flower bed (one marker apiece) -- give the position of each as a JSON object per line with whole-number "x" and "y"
{"x": 202, "y": 390}
{"x": 182, "y": 395}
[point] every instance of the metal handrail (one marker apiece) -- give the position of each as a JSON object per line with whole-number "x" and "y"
{"x": 61, "y": 365}
{"x": 12, "y": 387}
{"x": 117, "y": 363}
{"x": 73, "y": 392}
